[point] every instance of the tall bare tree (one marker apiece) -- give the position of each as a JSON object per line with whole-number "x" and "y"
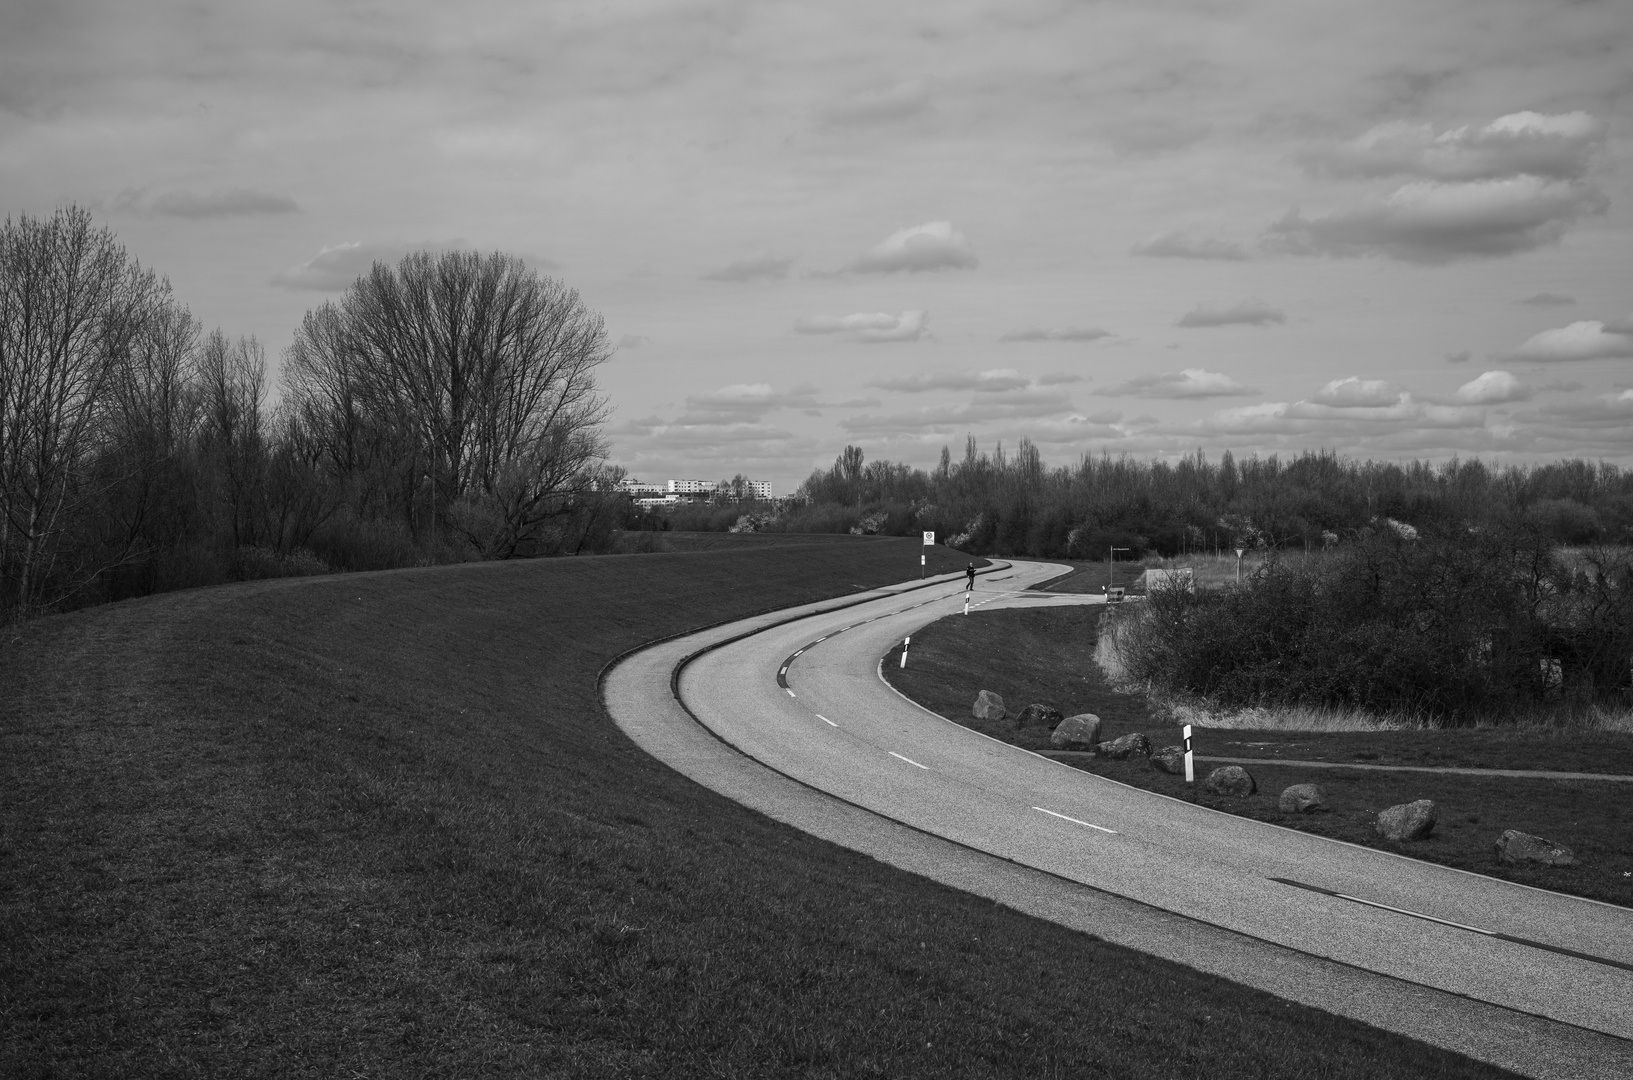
{"x": 472, "y": 379}
{"x": 71, "y": 304}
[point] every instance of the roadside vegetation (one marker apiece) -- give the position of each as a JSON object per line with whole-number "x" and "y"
{"x": 441, "y": 410}
{"x": 1048, "y": 656}
{"x": 379, "y": 825}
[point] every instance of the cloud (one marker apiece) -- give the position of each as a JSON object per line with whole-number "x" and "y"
{"x": 1613, "y": 410}
{"x": 1169, "y": 245}
{"x": 1493, "y": 388}
{"x": 1249, "y": 312}
{"x": 1357, "y": 393}
{"x": 931, "y": 246}
{"x": 880, "y": 105}
{"x": 869, "y": 327}
{"x": 231, "y": 202}
{"x": 988, "y": 381}
{"x": 1432, "y": 222}
{"x": 758, "y": 268}
{"x": 1029, "y": 403}
{"x": 1335, "y": 421}
{"x": 742, "y": 403}
{"x": 1459, "y": 357}
{"x": 633, "y": 341}
{"x": 1189, "y": 383}
{"x": 1548, "y": 299}
{"x": 1560, "y": 147}
{"x": 1057, "y": 378}
{"x": 337, "y": 267}
{"x": 1586, "y": 340}
{"x": 1069, "y": 333}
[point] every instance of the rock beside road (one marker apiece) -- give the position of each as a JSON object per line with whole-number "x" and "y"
{"x": 1080, "y": 732}
{"x": 1408, "y": 821}
{"x": 1303, "y": 799}
{"x": 988, "y": 706}
{"x": 1230, "y": 780}
{"x": 1170, "y": 759}
{"x": 1514, "y": 846}
{"x": 1118, "y": 749}
{"x": 1039, "y": 714}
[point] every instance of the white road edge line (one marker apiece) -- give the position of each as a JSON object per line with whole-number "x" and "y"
{"x": 790, "y": 692}
{"x": 825, "y": 720}
{"x": 909, "y": 760}
{"x": 1074, "y": 821}
{"x": 1416, "y": 914}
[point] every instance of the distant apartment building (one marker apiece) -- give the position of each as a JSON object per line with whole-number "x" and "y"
{"x": 676, "y": 491}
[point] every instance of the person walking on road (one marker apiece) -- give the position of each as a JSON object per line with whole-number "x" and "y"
{"x": 969, "y": 573}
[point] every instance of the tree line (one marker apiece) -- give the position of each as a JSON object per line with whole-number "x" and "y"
{"x": 441, "y": 409}
{"x": 1002, "y": 503}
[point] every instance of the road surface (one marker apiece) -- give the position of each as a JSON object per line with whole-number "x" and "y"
{"x": 794, "y": 720}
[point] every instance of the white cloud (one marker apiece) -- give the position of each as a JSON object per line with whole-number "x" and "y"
{"x": 633, "y": 341}
{"x": 931, "y": 246}
{"x": 1189, "y": 383}
{"x": 742, "y": 403}
{"x": 990, "y": 381}
{"x": 1493, "y": 388}
{"x": 1461, "y": 356}
{"x": 1586, "y": 340}
{"x": 869, "y": 327}
{"x": 229, "y": 202}
{"x": 1432, "y": 222}
{"x": 1028, "y": 403}
{"x": 336, "y": 267}
{"x": 1357, "y": 393}
{"x": 760, "y": 267}
{"x": 1170, "y": 245}
{"x": 1557, "y": 146}
{"x": 1249, "y": 312}
{"x": 880, "y": 105}
{"x": 1069, "y": 333}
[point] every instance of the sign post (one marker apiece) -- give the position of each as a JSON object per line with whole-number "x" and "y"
{"x": 1190, "y": 771}
{"x": 929, "y": 541}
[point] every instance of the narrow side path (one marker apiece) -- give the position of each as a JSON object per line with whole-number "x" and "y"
{"x": 1525, "y": 774}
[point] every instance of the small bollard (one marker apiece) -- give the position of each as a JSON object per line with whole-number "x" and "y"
{"x": 966, "y": 603}
{"x": 1190, "y": 772}
{"x": 905, "y": 640}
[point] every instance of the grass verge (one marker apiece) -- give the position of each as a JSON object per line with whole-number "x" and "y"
{"x": 379, "y": 826}
{"x": 1047, "y": 655}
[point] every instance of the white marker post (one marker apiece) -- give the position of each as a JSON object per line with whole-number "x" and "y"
{"x": 966, "y": 603}
{"x": 905, "y": 640}
{"x": 1190, "y": 770}
{"x": 929, "y": 541}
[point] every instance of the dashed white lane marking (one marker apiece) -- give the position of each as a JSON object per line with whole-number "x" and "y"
{"x": 909, "y": 760}
{"x": 790, "y": 692}
{"x": 825, "y": 720}
{"x": 1074, "y": 821}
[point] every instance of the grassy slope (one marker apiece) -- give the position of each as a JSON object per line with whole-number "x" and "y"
{"x": 380, "y": 826}
{"x": 1046, "y": 655}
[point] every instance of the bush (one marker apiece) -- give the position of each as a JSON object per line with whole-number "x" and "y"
{"x": 1457, "y": 626}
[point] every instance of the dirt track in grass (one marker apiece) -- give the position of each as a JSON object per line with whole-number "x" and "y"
{"x": 379, "y": 825}
{"x": 1046, "y": 655}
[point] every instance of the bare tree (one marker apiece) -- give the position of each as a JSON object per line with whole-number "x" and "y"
{"x": 471, "y": 379}
{"x": 71, "y": 303}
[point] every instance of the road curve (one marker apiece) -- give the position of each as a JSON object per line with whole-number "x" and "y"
{"x": 1527, "y": 979}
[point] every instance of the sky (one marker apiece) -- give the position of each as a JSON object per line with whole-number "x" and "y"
{"x": 1400, "y": 229}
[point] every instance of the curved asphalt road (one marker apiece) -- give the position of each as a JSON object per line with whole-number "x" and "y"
{"x": 1531, "y": 980}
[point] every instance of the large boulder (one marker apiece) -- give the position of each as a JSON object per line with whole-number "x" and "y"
{"x": 1039, "y": 714}
{"x": 988, "y": 706}
{"x": 1170, "y": 759}
{"x": 1230, "y": 780}
{"x": 1303, "y": 799}
{"x": 1080, "y": 732}
{"x": 1514, "y": 846}
{"x": 1408, "y": 821}
{"x": 1127, "y": 746}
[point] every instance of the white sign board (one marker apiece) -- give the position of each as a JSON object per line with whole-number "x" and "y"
{"x": 929, "y": 539}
